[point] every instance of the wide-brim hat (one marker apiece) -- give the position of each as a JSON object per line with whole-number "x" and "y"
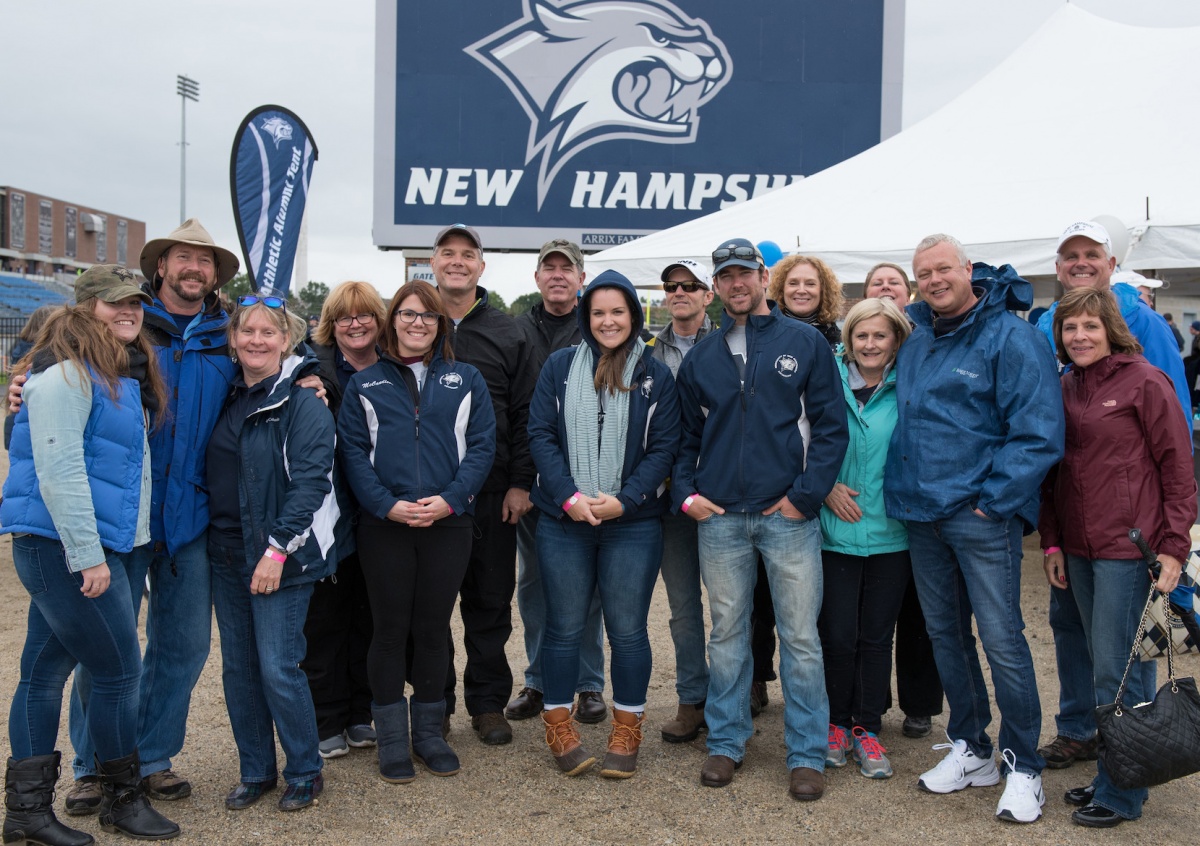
{"x": 189, "y": 232}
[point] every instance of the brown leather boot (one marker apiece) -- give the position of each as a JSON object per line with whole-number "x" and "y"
{"x": 621, "y": 759}
{"x": 562, "y": 736}
{"x": 689, "y": 719}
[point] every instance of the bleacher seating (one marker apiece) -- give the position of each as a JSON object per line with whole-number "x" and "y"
{"x": 23, "y": 296}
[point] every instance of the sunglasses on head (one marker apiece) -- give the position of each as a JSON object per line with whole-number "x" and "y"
{"x": 688, "y": 287}
{"x": 269, "y": 302}
{"x": 726, "y": 253}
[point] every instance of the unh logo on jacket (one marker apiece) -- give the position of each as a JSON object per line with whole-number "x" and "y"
{"x": 278, "y": 128}
{"x": 452, "y": 381}
{"x": 786, "y": 365}
{"x": 647, "y": 386}
{"x": 600, "y": 70}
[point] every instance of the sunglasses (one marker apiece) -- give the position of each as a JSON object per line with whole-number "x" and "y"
{"x": 407, "y": 315}
{"x": 688, "y": 287}
{"x": 726, "y": 253}
{"x": 363, "y": 320}
{"x": 269, "y": 302}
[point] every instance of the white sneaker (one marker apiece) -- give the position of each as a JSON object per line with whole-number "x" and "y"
{"x": 1023, "y": 797}
{"x": 960, "y": 768}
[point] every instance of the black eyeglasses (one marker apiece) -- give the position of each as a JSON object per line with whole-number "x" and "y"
{"x": 363, "y": 319}
{"x": 269, "y": 302}
{"x": 407, "y": 315}
{"x": 726, "y": 253}
{"x": 688, "y": 287}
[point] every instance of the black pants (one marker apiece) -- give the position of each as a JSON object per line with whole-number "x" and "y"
{"x": 858, "y": 616}
{"x": 338, "y": 630}
{"x": 486, "y": 609}
{"x": 412, "y": 577}
{"x": 917, "y": 682}
{"x": 762, "y": 628}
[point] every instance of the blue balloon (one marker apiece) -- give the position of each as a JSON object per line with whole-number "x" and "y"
{"x": 771, "y": 252}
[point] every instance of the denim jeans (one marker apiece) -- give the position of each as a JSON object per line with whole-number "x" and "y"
{"x": 681, "y": 577}
{"x": 134, "y": 563}
{"x": 966, "y": 564}
{"x": 1076, "y": 717}
{"x": 262, "y": 644}
{"x": 532, "y": 607}
{"x": 178, "y": 633}
{"x": 66, "y": 628}
{"x": 1111, "y": 596}
{"x": 791, "y": 551}
{"x": 621, "y": 561}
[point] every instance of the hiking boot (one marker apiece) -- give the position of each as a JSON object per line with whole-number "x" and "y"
{"x": 869, "y": 754}
{"x": 525, "y": 705}
{"x": 29, "y": 804}
{"x": 167, "y": 785}
{"x": 333, "y": 747}
{"x": 590, "y": 707}
{"x": 960, "y": 769}
{"x": 839, "y": 745}
{"x": 492, "y": 728}
{"x": 1062, "y": 752}
{"x": 620, "y": 761}
{"x": 562, "y": 736}
{"x": 84, "y": 797}
{"x": 689, "y": 719}
{"x": 758, "y": 698}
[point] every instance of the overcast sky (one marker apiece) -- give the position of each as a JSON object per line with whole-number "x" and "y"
{"x": 90, "y": 114}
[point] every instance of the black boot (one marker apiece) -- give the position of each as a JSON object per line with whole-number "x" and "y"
{"x": 391, "y": 731}
{"x": 429, "y": 747}
{"x": 29, "y": 804}
{"x": 125, "y": 808}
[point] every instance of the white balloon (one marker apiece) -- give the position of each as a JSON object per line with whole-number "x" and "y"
{"x": 1118, "y": 234}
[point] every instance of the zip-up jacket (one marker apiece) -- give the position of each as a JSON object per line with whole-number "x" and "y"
{"x": 541, "y": 337}
{"x": 286, "y": 488}
{"x": 666, "y": 347}
{"x": 396, "y": 443}
{"x": 652, "y": 438}
{"x": 781, "y": 433}
{"x": 1128, "y": 463}
{"x": 1152, "y": 332}
{"x": 197, "y": 371}
{"x": 981, "y": 418}
{"x": 493, "y": 343}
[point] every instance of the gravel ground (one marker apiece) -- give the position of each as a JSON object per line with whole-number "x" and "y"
{"x": 514, "y": 794}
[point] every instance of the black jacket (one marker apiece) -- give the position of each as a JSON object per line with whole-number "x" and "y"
{"x": 544, "y": 335}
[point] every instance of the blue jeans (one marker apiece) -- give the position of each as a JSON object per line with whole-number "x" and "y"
{"x": 532, "y": 607}
{"x": 134, "y": 563}
{"x": 66, "y": 628}
{"x": 791, "y": 551}
{"x": 262, "y": 645}
{"x": 620, "y": 560}
{"x": 681, "y": 577}
{"x": 1111, "y": 596}
{"x": 968, "y": 564}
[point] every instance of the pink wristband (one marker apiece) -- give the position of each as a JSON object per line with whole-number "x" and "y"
{"x": 687, "y": 503}
{"x": 1050, "y": 550}
{"x": 574, "y": 499}
{"x": 275, "y": 556}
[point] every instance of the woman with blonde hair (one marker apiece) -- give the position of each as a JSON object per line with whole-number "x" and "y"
{"x": 805, "y": 288}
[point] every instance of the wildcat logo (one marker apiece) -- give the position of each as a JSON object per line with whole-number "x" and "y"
{"x": 786, "y": 365}
{"x": 630, "y": 69}
{"x": 647, "y": 386}
{"x": 278, "y": 128}
{"x": 452, "y": 381}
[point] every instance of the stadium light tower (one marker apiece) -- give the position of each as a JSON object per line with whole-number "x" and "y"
{"x": 187, "y": 89}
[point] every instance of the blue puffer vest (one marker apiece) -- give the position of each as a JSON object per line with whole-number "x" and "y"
{"x": 112, "y": 450}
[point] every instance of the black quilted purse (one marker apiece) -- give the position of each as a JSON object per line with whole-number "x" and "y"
{"x": 1154, "y": 742}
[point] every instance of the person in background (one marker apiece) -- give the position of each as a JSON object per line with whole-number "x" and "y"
{"x": 339, "y": 625}
{"x": 21, "y": 346}
{"x": 864, "y": 553}
{"x": 889, "y": 281}
{"x": 1170, "y": 318}
{"x": 275, "y": 529}
{"x": 77, "y": 502}
{"x": 1128, "y": 462}
{"x": 688, "y": 289}
{"x": 603, "y": 430}
{"x": 416, "y": 437}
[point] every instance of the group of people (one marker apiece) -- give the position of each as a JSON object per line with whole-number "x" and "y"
{"x": 334, "y": 499}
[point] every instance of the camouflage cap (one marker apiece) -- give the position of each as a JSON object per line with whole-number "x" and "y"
{"x": 108, "y": 282}
{"x": 561, "y": 245}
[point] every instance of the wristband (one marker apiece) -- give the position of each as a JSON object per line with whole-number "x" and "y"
{"x": 687, "y": 503}
{"x": 574, "y": 499}
{"x": 1050, "y": 550}
{"x": 275, "y": 556}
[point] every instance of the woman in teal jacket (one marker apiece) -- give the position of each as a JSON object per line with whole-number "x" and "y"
{"x": 864, "y": 552}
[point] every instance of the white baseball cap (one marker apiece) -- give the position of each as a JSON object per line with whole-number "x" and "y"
{"x": 1088, "y": 229}
{"x": 1132, "y": 277}
{"x": 693, "y": 267}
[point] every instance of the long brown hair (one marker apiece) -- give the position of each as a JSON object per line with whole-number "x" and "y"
{"x": 1095, "y": 303}
{"x": 74, "y": 333}
{"x": 431, "y": 300}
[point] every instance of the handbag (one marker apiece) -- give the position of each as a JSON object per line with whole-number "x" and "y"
{"x": 1163, "y": 631}
{"x": 1154, "y": 742}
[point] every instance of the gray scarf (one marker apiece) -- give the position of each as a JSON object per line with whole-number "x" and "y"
{"x": 597, "y": 456}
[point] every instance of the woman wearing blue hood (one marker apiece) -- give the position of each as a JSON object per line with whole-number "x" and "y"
{"x": 603, "y": 430}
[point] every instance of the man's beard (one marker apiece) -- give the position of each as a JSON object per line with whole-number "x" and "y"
{"x": 175, "y": 284}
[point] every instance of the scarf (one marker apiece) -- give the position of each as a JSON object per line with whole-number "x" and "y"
{"x": 597, "y": 456}
{"x": 139, "y": 370}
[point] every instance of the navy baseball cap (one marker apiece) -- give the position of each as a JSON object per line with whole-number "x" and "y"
{"x": 736, "y": 252}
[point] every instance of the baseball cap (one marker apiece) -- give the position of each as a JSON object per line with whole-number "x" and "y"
{"x": 1088, "y": 229}
{"x": 108, "y": 282}
{"x": 736, "y": 252}
{"x": 459, "y": 229}
{"x": 693, "y": 267}
{"x": 1132, "y": 277}
{"x": 561, "y": 245}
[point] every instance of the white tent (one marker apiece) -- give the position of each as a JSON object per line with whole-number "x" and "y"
{"x": 1088, "y": 117}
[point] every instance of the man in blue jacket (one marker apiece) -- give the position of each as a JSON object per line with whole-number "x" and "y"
{"x": 764, "y": 435}
{"x": 981, "y": 422}
{"x": 1084, "y": 260}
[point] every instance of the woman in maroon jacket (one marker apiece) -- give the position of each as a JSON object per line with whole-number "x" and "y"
{"x": 1128, "y": 463}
